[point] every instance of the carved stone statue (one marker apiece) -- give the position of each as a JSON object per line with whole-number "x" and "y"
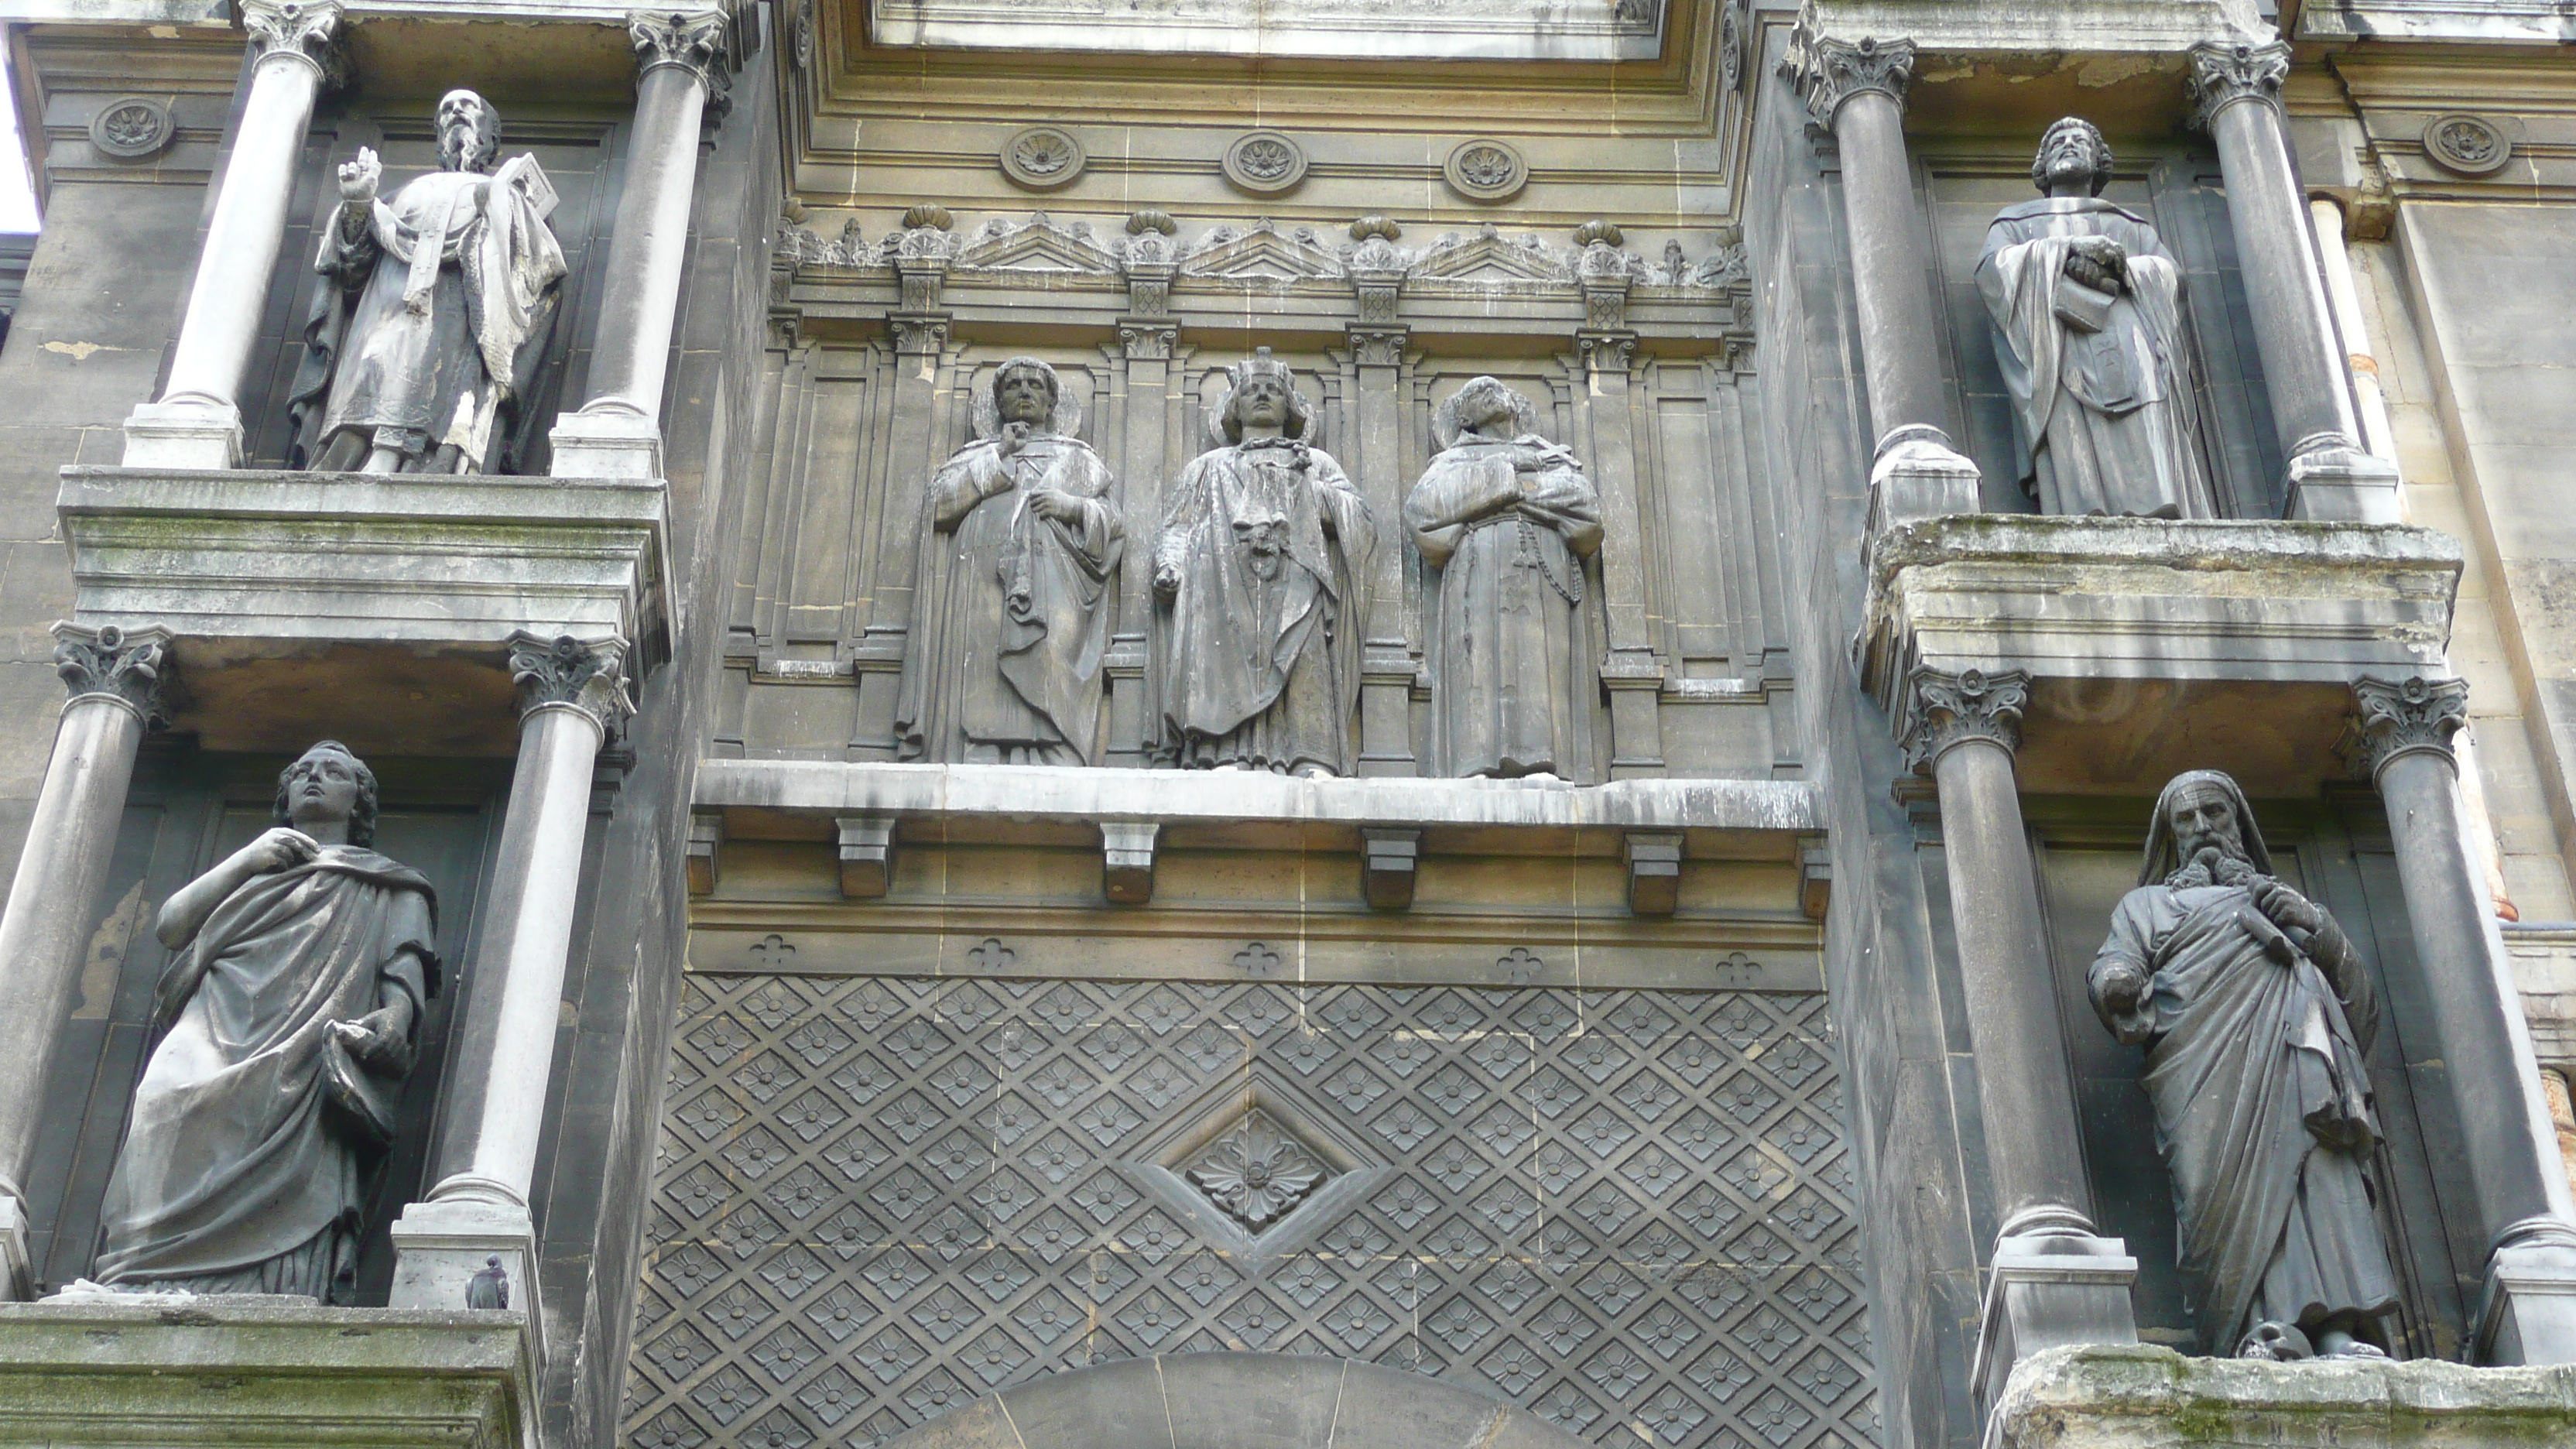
{"x": 1508, "y": 518}
{"x": 2254, "y": 1010}
{"x": 283, "y": 1028}
{"x": 425, "y": 339}
{"x": 1017, "y": 584}
{"x": 1260, "y": 587}
{"x": 2087, "y": 309}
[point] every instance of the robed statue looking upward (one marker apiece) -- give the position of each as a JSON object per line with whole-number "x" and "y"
{"x": 282, "y": 1030}
{"x": 1260, "y": 586}
{"x": 2254, "y": 1010}
{"x": 2087, "y": 309}
{"x": 1508, "y": 518}
{"x": 1017, "y": 580}
{"x": 434, "y": 312}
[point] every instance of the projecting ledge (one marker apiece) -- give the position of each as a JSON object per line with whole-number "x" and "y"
{"x": 236, "y": 1370}
{"x": 2143, "y": 1397}
{"x": 2151, "y": 628}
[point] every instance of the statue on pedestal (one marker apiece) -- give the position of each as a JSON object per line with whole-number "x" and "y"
{"x": 1508, "y": 518}
{"x": 426, "y": 335}
{"x": 2255, "y": 1010}
{"x": 282, "y": 1031}
{"x": 1260, "y": 588}
{"x": 2087, "y": 309}
{"x": 1016, "y": 584}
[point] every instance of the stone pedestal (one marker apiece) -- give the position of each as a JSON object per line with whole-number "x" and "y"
{"x": 179, "y": 1372}
{"x": 2140, "y": 1397}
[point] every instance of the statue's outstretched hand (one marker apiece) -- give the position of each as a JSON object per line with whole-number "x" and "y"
{"x": 360, "y": 178}
{"x": 279, "y": 848}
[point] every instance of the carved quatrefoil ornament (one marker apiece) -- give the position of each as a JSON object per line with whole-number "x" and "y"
{"x": 131, "y": 128}
{"x": 1486, "y": 170}
{"x": 1265, "y": 163}
{"x": 1043, "y": 158}
{"x": 2466, "y": 145}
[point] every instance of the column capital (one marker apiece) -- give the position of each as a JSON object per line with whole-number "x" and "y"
{"x": 304, "y": 30}
{"x": 2225, "y": 72}
{"x": 699, "y": 41}
{"x": 2414, "y": 715}
{"x": 1829, "y": 71}
{"x": 1147, "y": 339}
{"x": 578, "y": 674}
{"x": 130, "y": 666}
{"x": 1944, "y": 709}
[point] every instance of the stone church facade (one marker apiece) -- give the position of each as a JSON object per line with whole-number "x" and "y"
{"x": 1232, "y": 725}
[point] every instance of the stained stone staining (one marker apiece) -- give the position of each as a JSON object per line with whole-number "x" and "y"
{"x": 1627, "y": 1211}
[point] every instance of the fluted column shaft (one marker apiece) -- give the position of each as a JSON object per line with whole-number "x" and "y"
{"x": 115, "y": 679}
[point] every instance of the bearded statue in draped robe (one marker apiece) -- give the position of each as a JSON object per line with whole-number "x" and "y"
{"x": 425, "y": 338}
{"x": 2087, "y": 309}
{"x": 282, "y": 1032}
{"x": 1017, "y": 582}
{"x": 2255, "y": 1011}
{"x": 1260, "y": 589}
{"x": 1508, "y": 518}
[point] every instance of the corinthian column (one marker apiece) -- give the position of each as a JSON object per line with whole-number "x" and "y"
{"x": 2527, "y": 1313}
{"x": 572, "y": 694}
{"x": 2053, "y": 1281}
{"x": 115, "y": 679}
{"x": 1855, "y": 92}
{"x": 2236, "y": 94}
{"x": 685, "y": 62}
{"x": 197, "y": 423}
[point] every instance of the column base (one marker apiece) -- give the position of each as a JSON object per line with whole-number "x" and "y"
{"x": 606, "y": 445}
{"x": 17, "y": 1265}
{"x": 1919, "y": 475}
{"x": 184, "y": 435}
{"x": 2343, "y": 485}
{"x": 440, "y": 1246}
{"x": 2050, "y": 1288}
{"x": 2527, "y": 1313}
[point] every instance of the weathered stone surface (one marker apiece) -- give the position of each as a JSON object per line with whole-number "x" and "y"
{"x": 232, "y": 1372}
{"x": 2143, "y": 1397}
{"x": 1592, "y": 30}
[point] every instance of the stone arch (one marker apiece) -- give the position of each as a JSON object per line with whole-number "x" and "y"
{"x": 1237, "y": 1401}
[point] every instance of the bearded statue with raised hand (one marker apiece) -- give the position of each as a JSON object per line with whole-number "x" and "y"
{"x": 1017, "y": 586}
{"x": 282, "y": 1031}
{"x": 2254, "y": 1010}
{"x": 433, "y": 317}
{"x": 1260, "y": 590}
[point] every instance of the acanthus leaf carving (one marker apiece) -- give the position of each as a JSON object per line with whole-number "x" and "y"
{"x": 588, "y": 675}
{"x": 2224, "y": 73}
{"x": 1945, "y": 709}
{"x": 129, "y": 665}
{"x": 2396, "y": 717}
{"x": 308, "y": 30}
{"x": 1831, "y": 71}
{"x": 700, "y": 42}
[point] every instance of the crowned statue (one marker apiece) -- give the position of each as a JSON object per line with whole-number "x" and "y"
{"x": 1260, "y": 589}
{"x": 435, "y": 309}
{"x": 1508, "y": 518}
{"x": 2088, "y": 322}
{"x": 282, "y": 1031}
{"x": 2255, "y": 1010}
{"x": 1017, "y": 586}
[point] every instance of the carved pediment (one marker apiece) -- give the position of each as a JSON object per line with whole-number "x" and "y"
{"x": 1039, "y": 244}
{"x": 1260, "y": 252}
{"x": 1490, "y": 257}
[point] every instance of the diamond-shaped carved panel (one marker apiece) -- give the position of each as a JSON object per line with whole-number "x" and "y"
{"x": 881, "y": 1197}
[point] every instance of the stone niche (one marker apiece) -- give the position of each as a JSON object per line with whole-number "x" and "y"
{"x": 2155, "y": 646}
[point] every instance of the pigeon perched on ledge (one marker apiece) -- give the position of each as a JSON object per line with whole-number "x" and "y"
{"x": 490, "y": 1288}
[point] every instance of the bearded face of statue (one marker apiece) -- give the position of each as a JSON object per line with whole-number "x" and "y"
{"x": 2203, "y": 818}
{"x": 2071, "y": 161}
{"x": 463, "y": 121}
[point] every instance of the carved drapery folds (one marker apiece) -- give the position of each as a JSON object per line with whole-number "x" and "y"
{"x": 131, "y": 666}
{"x": 2223, "y": 74}
{"x": 1952, "y": 709}
{"x": 700, "y": 42}
{"x": 564, "y": 672}
{"x": 2398, "y": 717}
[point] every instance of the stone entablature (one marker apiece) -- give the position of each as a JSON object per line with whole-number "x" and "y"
{"x": 1586, "y": 30}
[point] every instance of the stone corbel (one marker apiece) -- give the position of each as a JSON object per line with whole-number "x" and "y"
{"x": 1127, "y": 860}
{"x": 1815, "y": 876}
{"x": 1387, "y": 861}
{"x": 706, "y": 850}
{"x": 1654, "y": 871}
{"x": 867, "y": 855}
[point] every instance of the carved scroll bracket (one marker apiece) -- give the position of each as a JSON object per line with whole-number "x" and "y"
{"x": 2393, "y": 718}
{"x": 1944, "y": 709}
{"x": 131, "y": 666}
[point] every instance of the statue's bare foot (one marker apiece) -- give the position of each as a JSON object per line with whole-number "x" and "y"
{"x": 2335, "y": 1343}
{"x": 1315, "y": 772}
